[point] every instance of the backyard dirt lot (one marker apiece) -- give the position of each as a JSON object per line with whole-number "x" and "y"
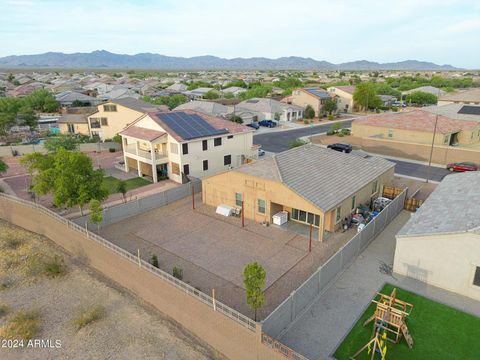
{"x": 212, "y": 250}
{"x": 126, "y": 329}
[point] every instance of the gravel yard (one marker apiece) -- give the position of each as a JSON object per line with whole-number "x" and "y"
{"x": 128, "y": 329}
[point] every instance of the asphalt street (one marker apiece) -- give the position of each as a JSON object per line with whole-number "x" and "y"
{"x": 277, "y": 141}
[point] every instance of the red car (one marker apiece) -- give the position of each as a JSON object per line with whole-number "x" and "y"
{"x": 463, "y": 166}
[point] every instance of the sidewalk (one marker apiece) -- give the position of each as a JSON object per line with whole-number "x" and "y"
{"x": 323, "y": 326}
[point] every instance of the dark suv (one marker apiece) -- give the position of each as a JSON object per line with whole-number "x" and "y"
{"x": 340, "y": 147}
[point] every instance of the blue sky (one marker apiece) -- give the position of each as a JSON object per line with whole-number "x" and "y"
{"x": 441, "y": 31}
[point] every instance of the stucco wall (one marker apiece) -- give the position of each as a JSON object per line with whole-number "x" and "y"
{"x": 117, "y": 120}
{"x": 301, "y": 98}
{"x": 446, "y": 261}
{"x": 81, "y": 129}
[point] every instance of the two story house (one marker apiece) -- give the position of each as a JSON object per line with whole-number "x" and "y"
{"x": 315, "y": 97}
{"x": 185, "y": 143}
{"x": 115, "y": 115}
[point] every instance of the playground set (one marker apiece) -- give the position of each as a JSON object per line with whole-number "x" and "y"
{"x": 388, "y": 324}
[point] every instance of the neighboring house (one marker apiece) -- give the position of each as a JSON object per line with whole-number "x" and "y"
{"x": 269, "y": 109}
{"x": 345, "y": 101}
{"x": 24, "y": 90}
{"x": 471, "y": 96}
{"x": 67, "y": 98}
{"x": 428, "y": 89}
{"x": 440, "y": 244}
{"x": 315, "y": 97}
{"x": 205, "y": 107}
{"x": 387, "y": 100}
{"x": 234, "y": 90}
{"x": 177, "y": 88}
{"x": 74, "y": 124}
{"x": 185, "y": 143}
{"x": 120, "y": 93}
{"x": 115, "y": 115}
{"x": 313, "y": 184}
{"x": 199, "y": 93}
{"x": 456, "y": 111}
{"x": 417, "y": 126}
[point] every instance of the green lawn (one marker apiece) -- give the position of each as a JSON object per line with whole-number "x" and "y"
{"x": 438, "y": 331}
{"x": 111, "y": 183}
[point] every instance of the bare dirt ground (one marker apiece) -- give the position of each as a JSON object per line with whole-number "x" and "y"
{"x": 129, "y": 328}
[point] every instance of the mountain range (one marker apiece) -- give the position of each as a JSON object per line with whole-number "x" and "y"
{"x": 103, "y": 59}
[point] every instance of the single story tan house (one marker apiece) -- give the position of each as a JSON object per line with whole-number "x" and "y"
{"x": 440, "y": 244}
{"x": 313, "y": 184}
{"x": 418, "y": 126}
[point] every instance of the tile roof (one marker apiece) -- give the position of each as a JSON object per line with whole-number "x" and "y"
{"x": 322, "y": 176}
{"x": 74, "y": 119}
{"x": 453, "y": 111}
{"x": 347, "y": 88}
{"x": 142, "y": 133}
{"x": 266, "y": 105}
{"x": 216, "y": 122}
{"x": 453, "y": 207}
{"x": 471, "y": 95}
{"x": 416, "y": 120}
{"x": 138, "y": 105}
{"x": 206, "y": 107}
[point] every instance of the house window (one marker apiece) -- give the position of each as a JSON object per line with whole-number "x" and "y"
{"x": 390, "y": 133}
{"x": 302, "y": 216}
{"x": 104, "y": 121}
{"x": 184, "y": 149}
{"x": 374, "y": 187}
{"x": 446, "y": 138}
{"x": 174, "y": 148}
{"x": 175, "y": 168}
{"x": 238, "y": 199}
{"x": 261, "y": 206}
{"x": 354, "y": 199}
{"x": 186, "y": 169}
{"x": 230, "y": 137}
{"x": 205, "y": 165}
{"x": 227, "y": 160}
{"x": 476, "y": 278}
{"x": 94, "y": 123}
{"x": 205, "y": 145}
{"x": 339, "y": 213}
{"x": 217, "y": 141}
{"x": 109, "y": 108}
{"x": 71, "y": 128}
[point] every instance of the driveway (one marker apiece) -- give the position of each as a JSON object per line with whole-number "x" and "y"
{"x": 321, "y": 328}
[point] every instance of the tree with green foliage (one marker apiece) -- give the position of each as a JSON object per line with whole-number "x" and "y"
{"x": 63, "y": 141}
{"x": 228, "y": 95}
{"x": 421, "y": 98}
{"x": 212, "y": 95}
{"x": 3, "y": 166}
{"x": 96, "y": 212}
{"x": 329, "y": 106}
{"x": 259, "y": 91}
{"x": 67, "y": 175}
{"x": 384, "y": 89}
{"x": 117, "y": 139}
{"x": 42, "y": 100}
{"x": 235, "y": 118}
{"x": 171, "y": 101}
{"x": 309, "y": 112}
{"x": 197, "y": 84}
{"x": 254, "y": 276}
{"x": 236, "y": 83}
{"x": 122, "y": 189}
{"x": 365, "y": 96}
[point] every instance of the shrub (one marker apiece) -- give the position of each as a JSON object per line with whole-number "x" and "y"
{"x": 330, "y": 132}
{"x": 309, "y": 112}
{"x": 54, "y": 267}
{"x": 177, "y": 272}
{"x": 154, "y": 261}
{"x": 88, "y": 315}
{"x": 4, "y": 309}
{"x": 340, "y": 134}
{"x": 394, "y": 108}
{"x": 296, "y": 143}
{"x": 345, "y": 131}
{"x": 13, "y": 243}
{"x": 306, "y": 121}
{"x": 23, "y": 325}
{"x": 330, "y": 117}
{"x": 112, "y": 150}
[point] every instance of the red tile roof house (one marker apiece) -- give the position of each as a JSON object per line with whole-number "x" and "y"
{"x": 418, "y": 126}
{"x": 185, "y": 143}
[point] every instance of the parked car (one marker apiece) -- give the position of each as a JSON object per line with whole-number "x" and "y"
{"x": 261, "y": 152}
{"x": 254, "y": 125}
{"x": 340, "y": 147}
{"x": 462, "y": 166}
{"x": 267, "y": 123}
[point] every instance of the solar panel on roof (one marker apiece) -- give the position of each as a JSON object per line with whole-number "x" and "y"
{"x": 252, "y": 101}
{"x": 469, "y": 110}
{"x": 189, "y": 126}
{"x": 319, "y": 93}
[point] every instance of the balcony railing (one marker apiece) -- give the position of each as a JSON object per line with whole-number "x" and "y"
{"x": 131, "y": 149}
